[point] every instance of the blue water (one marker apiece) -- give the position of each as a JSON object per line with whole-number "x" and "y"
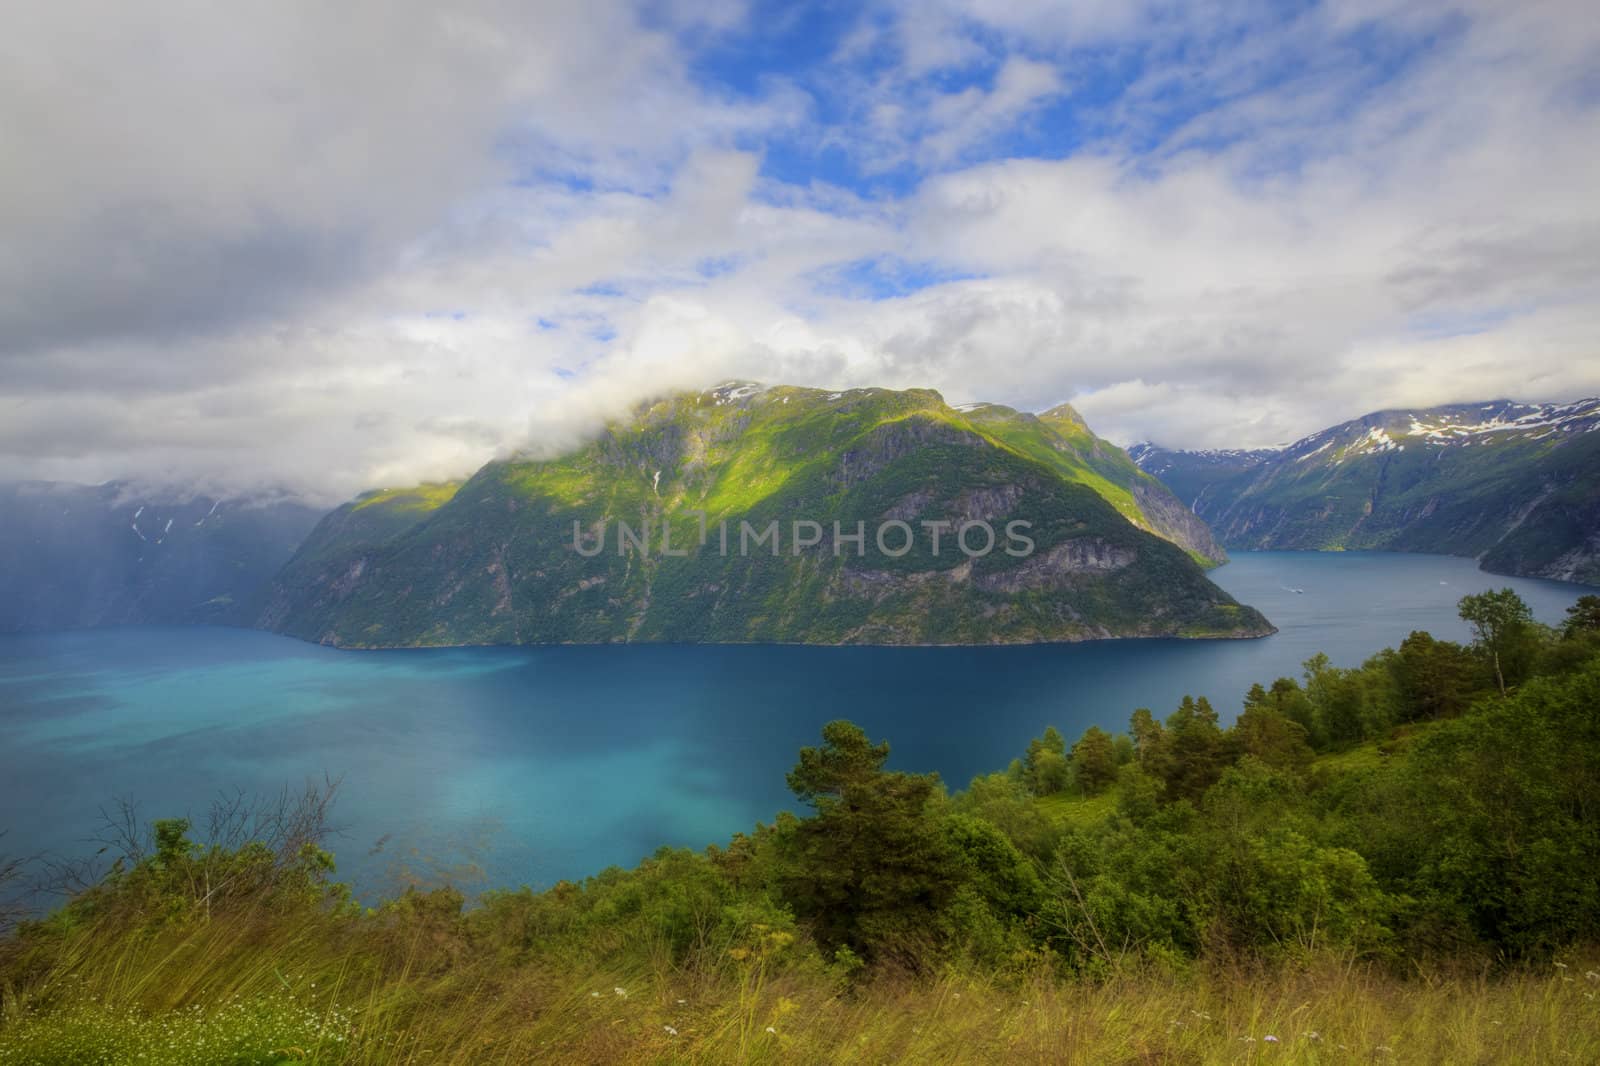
{"x": 511, "y": 765}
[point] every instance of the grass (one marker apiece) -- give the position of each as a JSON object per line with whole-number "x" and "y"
{"x": 1077, "y": 812}
{"x": 249, "y": 990}
{"x": 424, "y": 498}
{"x": 1373, "y": 754}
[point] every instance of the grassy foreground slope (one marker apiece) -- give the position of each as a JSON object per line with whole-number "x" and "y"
{"x": 406, "y": 1011}
{"x": 1391, "y": 863}
{"x": 493, "y": 560}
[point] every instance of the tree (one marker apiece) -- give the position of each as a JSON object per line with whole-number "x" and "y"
{"x": 1007, "y": 803}
{"x": 1122, "y": 748}
{"x": 1138, "y": 794}
{"x": 1434, "y": 676}
{"x": 1196, "y": 747}
{"x": 1278, "y": 742}
{"x": 1095, "y": 759}
{"x": 172, "y": 841}
{"x": 1291, "y": 701}
{"x": 1497, "y": 618}
{"x": 1052, "y": 773}
{"x": 1337, "y": 702}
{"x": 871, "y": 871}
{"x": 1582, "y": 617}
{"x": 1045, "y": 765}
{"x": 1152, "y": 748}
{"x": 1508, "y": 820}
{"x": 846, "y": 760}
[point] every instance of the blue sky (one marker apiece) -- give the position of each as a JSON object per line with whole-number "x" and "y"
{"x": 280, "y": 247}
{"x": 1133, "y": 94}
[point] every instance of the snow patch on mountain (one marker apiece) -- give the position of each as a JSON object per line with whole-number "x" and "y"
{"x": 734, "y": 391}
{"x": 1451, "y": 426}
{"x": 1315, "y": 451}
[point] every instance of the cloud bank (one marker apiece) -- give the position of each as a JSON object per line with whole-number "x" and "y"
{"x": 335, "y": 247}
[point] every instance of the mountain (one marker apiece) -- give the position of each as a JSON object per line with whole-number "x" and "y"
{"x": 95, "y": 555}
{"x": 1188, "y": 474}
{"x": 495, "y": 559}
{"x": 1063, "y": 439}
{"x": 1514, "y": 485}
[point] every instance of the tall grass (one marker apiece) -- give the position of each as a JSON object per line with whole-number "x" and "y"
{"x": 259, "y": 987}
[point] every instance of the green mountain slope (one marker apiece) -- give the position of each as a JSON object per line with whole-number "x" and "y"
{"x": 494, "y": 560}
{"x": 1062, "y": 439}
{"x": 1516, "y": 486}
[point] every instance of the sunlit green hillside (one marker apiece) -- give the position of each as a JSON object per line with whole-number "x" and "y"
{"x": 695, "y": 478}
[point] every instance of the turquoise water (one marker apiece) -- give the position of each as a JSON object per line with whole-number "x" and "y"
{"x": 511, "y": 765}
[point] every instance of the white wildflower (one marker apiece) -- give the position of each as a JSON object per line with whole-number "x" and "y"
{"x": 1269, "y": 1038}
{"x": 771, "y": 1030}
{"x": 623, "y": 992}
{"x": 670, "y": 1030}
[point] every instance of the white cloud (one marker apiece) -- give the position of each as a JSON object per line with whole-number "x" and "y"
{"x": 961, "y": 119}
{"x": 265, "y": 246}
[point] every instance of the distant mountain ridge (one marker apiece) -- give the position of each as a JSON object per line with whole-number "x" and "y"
{"x": 1514, "y": 485}
{"x": 74, "y": 556}
{"x": 1187, "y": 474}
{"x": 492, "y": 560}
